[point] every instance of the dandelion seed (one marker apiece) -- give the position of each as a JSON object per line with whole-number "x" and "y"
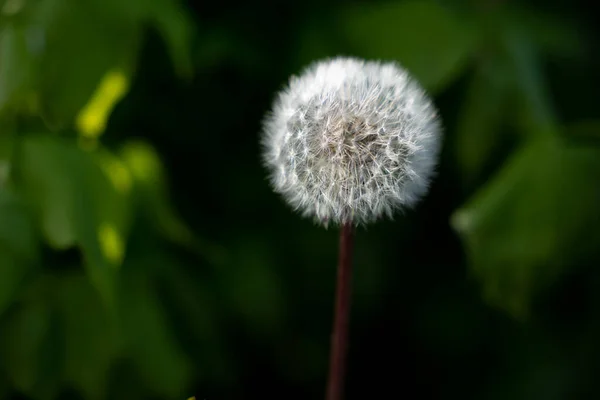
{"x": 349, "y": 141}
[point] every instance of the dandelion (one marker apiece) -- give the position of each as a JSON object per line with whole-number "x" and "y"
{"x": 347, "y": 142}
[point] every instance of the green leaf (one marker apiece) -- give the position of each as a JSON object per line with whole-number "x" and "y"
{"x": 61, "y": 49}
{"x": 554, "y": 35}
{"x": 16, "y": 228}
{"x": 18, "y": 246}
{"x": 79, "y": 50}
{"x": 481, "y": 118}
{"x": 89, "y": 334}
{"x": 534, "y": 106}
{"x": 61, "y": 333}
{"x": 171, "y": 20}
{"x": 81, "y": 199}
{"x": 11, "y": 275}
{"x": 538, "y": 216}
{"x": 176, "y": 28}
{"x": 16, "y": 66}
{"x": 31, "y": 350}
{"x": 189, "y": 301}
{"x": 149, "y": 341}
{"x": 422, "y": 35}
{"x": 587, "y": 131}
{"x": 6, "y": 145}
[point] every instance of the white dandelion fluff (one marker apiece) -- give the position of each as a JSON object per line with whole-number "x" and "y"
{"x": 349, "y": 141}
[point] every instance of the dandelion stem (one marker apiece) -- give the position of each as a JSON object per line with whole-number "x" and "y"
{"x": 339, "y": 337}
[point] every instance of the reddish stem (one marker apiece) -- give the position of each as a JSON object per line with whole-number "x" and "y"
{"x": 339, "y": 337}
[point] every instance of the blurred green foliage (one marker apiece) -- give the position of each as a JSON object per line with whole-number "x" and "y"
{"x": 143, "y": 255}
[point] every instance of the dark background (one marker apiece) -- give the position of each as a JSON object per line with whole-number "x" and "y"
{"x": 149, "y": 259}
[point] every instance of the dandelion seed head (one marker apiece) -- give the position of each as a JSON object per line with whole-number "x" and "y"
{"x": 349, "y": 141}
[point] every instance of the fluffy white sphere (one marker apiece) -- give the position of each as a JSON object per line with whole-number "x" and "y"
{"x": 350, "y": 140}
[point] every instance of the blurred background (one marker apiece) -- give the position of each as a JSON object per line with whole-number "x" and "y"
{"x": 144, "y": 256}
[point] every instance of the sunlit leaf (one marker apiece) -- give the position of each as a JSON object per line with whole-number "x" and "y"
{"x": 111, "y": 243}
{"x": 144, "y": 164}
{"x": 147, "y": 171}
{"x": 75, "y": 50}
{"x": 72, "y": 46}
{"x": 91, "y": 121}
{"x": 423, "y": 36}
{"x": 83, "y": 43}
{"x": 77, "y": 202}
{"x": 538, "y": 216}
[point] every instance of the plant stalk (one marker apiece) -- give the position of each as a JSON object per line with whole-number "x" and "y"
{"x": 339, "y": 337}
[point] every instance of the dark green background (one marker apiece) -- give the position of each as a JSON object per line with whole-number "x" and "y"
{"x": 488, "y": 289}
